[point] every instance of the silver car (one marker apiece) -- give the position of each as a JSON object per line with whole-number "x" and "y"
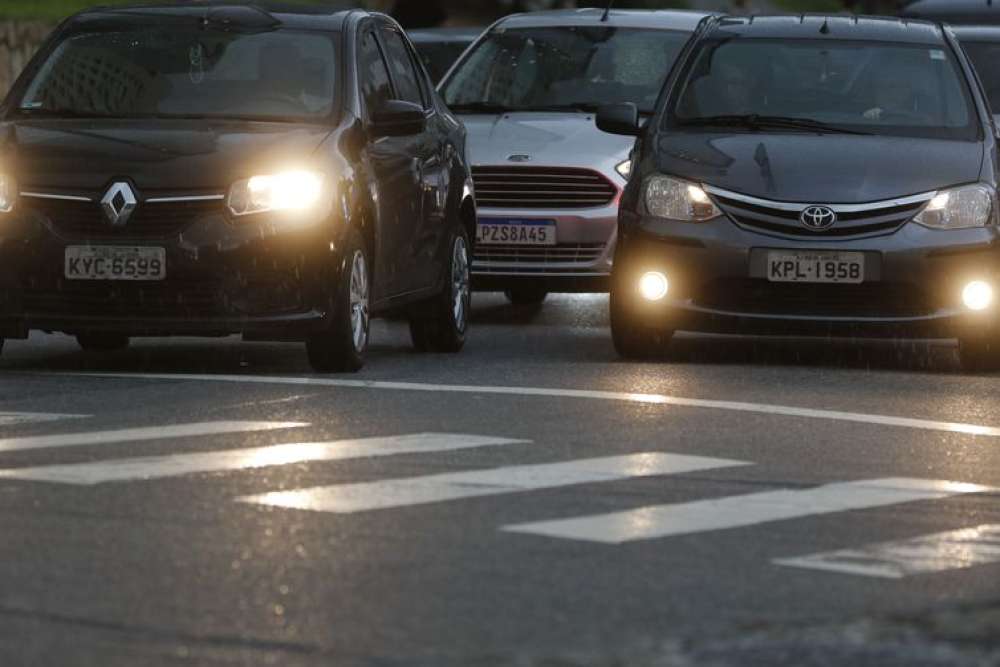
{"x": 547, "y": 181}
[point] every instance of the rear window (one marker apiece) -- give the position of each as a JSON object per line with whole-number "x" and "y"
{"x": 873, "y": 87}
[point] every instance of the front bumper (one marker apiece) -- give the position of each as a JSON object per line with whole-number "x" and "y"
{"x": 717, "y": 271}
{"x": 222, "y": 278}
{"x": 581, "y": 260}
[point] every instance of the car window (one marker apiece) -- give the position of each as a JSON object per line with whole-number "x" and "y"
{"x": 150, "y": 71}
{"x": 438, "y": 57}
{"x": 985, "y": 57}
{"x": 540, "y": 68}
{"x": 375, "y": 86}
{"x": 875, "y": 87}
{"x": 404, "y": 73}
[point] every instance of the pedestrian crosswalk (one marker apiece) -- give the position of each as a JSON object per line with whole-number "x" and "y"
{"x": 648, "y": 523}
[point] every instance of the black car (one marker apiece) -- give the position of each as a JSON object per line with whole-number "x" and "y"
{"x": 216, "y": 169}
{"x": 803, "y": 175}
{"x": 439, "y": 48}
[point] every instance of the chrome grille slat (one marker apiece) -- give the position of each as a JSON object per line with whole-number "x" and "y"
{"x": 529, "y": 259}
{"x": 782, "y": 218}
{"x": 541, "y": 187}
{"x": 82, "y": 219}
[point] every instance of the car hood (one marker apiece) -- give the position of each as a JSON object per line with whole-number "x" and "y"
{"x": 168, "y": 155}
{"x": 548, "y": 139}
{"x": 828, "y": 169}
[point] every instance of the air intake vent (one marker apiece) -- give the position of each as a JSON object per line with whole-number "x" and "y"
{"x": 541, "y": 188}
{"x": 82, "y": 219}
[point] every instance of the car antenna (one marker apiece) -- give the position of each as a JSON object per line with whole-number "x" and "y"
{"x": 607, "y": 11}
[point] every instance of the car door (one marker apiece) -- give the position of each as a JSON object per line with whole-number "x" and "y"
{"x": 421, "y": 268}
{"x": 394, "y": 176}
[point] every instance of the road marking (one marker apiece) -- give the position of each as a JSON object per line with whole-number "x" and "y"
{"x": 657, "y": 521}
{"x": 140, "y": 434}
{"x": 658, "y": 399}
{"x": 393, "y": 493}
{"x": 156, "y": 467}
{"x": 13, "y": 418}
{"x": 940, "y": 552}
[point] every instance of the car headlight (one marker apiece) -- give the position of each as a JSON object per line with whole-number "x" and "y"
{"x": 672, "y": 198}
{"x": 624, "y": 169}
{"x": 959, "y": 208}
{"x": 8, "y": 193}
{"x": 291, "y": 191}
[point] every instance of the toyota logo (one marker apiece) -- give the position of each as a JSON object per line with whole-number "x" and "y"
{"x": 818, "y": 218}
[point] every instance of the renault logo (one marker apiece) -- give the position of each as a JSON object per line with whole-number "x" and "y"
{"x": 818, "y": 218}
{"x": 119, "y": 203}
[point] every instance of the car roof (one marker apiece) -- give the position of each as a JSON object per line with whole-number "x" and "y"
{"x": 963, "y": 11}
{"x": 302, "y": 16}
{"x": 444, "y": 35}
{"x": 618, "y": 18}
{"x": 802, "y": 26}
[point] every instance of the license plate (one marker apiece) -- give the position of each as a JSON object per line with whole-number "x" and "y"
{"x": 115, "y": 263}
{"x": 786, "y": 266}
{"x": 507, "y": 231}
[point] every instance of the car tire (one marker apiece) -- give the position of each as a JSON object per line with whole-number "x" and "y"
{"x": 980, "y": 354}
{"x": 526, "y": 295}
{"x": 343, "y": 346}
{"x": 440, "y": 323}
{"x": 632, "y": 339}
{"x": 102, "y": 342}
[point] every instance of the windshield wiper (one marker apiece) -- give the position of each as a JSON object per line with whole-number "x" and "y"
{"x": 480, "y": 107}
{"x": 583, "y": 107}
{"x": 759, "y": 122}
{"x": 58, "y": 113}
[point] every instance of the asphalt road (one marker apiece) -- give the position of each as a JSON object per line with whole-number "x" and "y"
{"x": 533, "y": 501}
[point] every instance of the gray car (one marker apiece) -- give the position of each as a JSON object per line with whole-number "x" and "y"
{"x": 547, "y": 181}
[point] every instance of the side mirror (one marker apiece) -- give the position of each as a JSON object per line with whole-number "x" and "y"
{"x": 397, "y": 118}
{"x": 619, "y": 119}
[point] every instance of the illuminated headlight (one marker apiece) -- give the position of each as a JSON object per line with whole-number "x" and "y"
{"x": 624, "y": 169}
{"x": 290, "y": 191}
{"x": 672, "y": 198}
{"x": 959, "y": 208}
{"x": 653, "y": 286}
{"x": 977, "y": 295}
{"x": 7, "y": 194}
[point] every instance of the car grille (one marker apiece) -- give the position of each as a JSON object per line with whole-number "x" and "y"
{"x": 150, "y": 220}
{"x": 758, "y": 296}
{"x": 531, "y": 259}
{"x": 101, "y": 299}
{"x": 541, "y": 187}
{"x": 778, "y": 220}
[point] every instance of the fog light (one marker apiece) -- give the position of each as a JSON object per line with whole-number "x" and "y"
{"x": 977, "y": 295}
{"x": 653, "y": 286}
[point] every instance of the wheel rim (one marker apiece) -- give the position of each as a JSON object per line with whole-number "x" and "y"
{"x": 460, "y": 283}
{"x": 359, "y": 301}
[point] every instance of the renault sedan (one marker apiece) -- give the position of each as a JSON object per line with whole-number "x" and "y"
{"x": 813, "y": 174}
{"x": 218, "y": 169}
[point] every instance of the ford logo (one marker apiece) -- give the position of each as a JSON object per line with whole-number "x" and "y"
{"x": 818, "y": 218}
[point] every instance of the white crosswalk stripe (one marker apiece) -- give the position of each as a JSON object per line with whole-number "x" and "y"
{"x": 927, "y": 554}
{"x": 141, "y": 434}
{"x": 157, "y": 467}
{"x": 15, "y": 418}
{"x": 658, "y": 521}
{"x": 395, "y": 493}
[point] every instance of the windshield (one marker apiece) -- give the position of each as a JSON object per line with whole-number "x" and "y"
{"x": 541, "y": 68}
{"x": 870, "y": 87}
{"x": 182, "y": 71}
{"x": 985, "y": 57}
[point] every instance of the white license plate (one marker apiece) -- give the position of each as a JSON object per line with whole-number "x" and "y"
{"x": 115, "y": 263}
{"x": 507, "y": 231}
{"x": 787, "y": 266}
